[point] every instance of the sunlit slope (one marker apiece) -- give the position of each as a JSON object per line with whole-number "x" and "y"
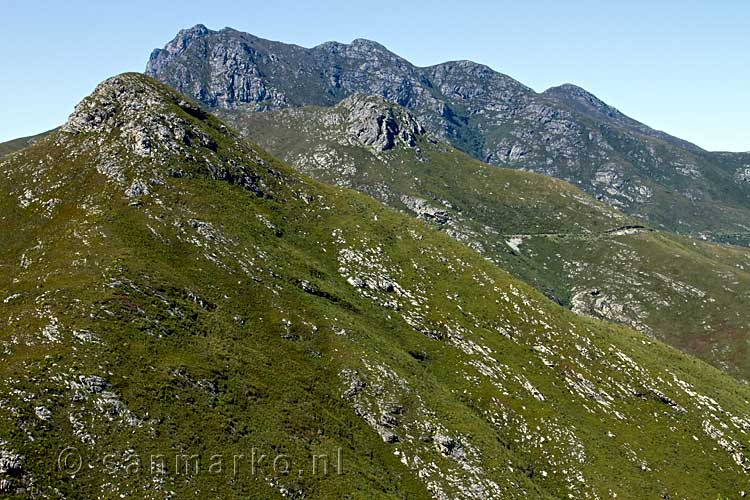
{"x": 579, "y": 252}
{"x": 168, "y": 289}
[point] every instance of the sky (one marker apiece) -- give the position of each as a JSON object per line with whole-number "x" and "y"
{"x": 678, "y": 66}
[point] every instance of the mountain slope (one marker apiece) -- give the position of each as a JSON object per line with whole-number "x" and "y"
{"x": 171, "y": 291}
{"x": 586, "y": 103}
{"x": 564, "y": 132}
{"x": 580, "y": 252}
{"x": 9, "y": 147}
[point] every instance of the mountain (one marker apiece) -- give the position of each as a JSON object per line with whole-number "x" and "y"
{"x": 563, "y": 132}
{"x": 9, "y": 147}
{"x": 178, "y": 303}
{"x": 587, "y": 104}
{"x": 582, "y": 253}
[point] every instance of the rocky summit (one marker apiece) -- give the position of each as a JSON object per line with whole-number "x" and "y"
{"x": 564, "y": 132}
{"x": 183, "y": 315}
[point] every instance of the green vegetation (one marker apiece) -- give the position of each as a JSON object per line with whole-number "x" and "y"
{"x": 170, "y": 289}
{"x": 9, "y": 147}
{"x": 578, "y": 251}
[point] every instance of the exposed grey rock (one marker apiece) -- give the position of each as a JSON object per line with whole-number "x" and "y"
{"x": 42, "y": 413}
{"x": 92, "y": 384}
{"x": 424, "y": 210}
{"x": 597, "y": 304}
{"x": 10, "y": 463}
{"x": 449, "y": 447}
{"x": 742, "y": 175}
{"x": 147, "y": 135}
{"x": 137, "y": 188}
{"x": 387, "y": 435}
{"x": 355, "y": 383}
{"x": 373, "y": 123}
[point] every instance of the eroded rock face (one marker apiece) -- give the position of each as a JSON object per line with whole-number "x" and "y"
{"x": 135, "y": 109}
{"x": 742, "y": 175}
{"x": 424, "y": 210}
{"x": 373, "y": 123}
{"x": 613, "y": 187}
{"x": 10, "y": 463}
{"x": 597, "y": 304}
{"x": 12, "y": 474}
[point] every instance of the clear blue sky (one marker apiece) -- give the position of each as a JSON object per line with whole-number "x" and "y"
{"x": 679, "y": 66}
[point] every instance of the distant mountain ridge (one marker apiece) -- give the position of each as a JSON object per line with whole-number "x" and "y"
{"x": 564, "y": 132}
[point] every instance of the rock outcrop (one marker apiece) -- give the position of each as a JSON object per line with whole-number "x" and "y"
{"x": 742, "y": 175}
{"x": 372, "y": 122}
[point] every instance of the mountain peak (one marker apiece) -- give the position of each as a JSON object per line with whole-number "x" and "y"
{"x": 359, "y": 48}
{"x": 365, "y": 43}
{"x": 180, "y": 42}
{"x": 139, "y": 107}
{"x": 186, "y": 36}
{"x": 584, "y": 97}
{"x": 113, "y": 102}
{"x": 135, "y": 129}
{"x": 199, "y": 29}
{"x": 572, "y": 89}
{"x": 583, "y": 101}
